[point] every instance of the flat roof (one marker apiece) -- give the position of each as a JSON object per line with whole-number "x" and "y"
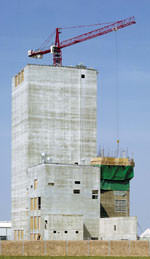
{"x": 5, "y": 224}
{"x": 79, "y": 66}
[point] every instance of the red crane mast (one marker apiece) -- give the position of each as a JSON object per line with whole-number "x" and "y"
{"x": 56, "y": 49}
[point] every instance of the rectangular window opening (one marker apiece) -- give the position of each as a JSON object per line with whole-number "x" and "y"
{"x": 94, "y": 191}
{"x": 51, "y": 184}
{"x": 94, "y": 238}
{"x": 35, "y": 203}
{"x": 94, "y": 197}
{"x": 77, "y": 182}
{"x": 46, "y": 222}
{"x": 31, "y": 223}
{"x": 39, "y": 203}
{"x": 39, "y": 222}
{"x": 32, "y": 204}
{"x": 35, "y": 223}
{"x": 82, "y": 75}
{"x": 76, "y": 191}
{"x": 115, "y": 228}
{"x": 35, "y": 184}
{"x": 120, "y": 205}
{"x": 120, "y": 193}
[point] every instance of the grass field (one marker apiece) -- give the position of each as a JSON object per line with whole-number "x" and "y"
{"x": 74, "y": 257}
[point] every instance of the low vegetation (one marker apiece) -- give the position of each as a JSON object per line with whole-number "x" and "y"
{"x": 74, "y": 257}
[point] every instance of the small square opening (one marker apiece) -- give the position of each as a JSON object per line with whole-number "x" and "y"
{"x": 94, "y": 197}
{"x": 82, "y": 75}
{"x": 51, "y": 183}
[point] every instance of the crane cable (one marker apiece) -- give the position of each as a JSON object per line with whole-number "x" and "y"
{"x": 117, "y": 93}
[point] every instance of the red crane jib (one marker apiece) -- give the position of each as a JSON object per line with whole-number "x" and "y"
{"x": 56, "y": 49}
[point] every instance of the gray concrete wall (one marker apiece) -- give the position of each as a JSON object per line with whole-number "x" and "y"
{"x": 53, "y": 111}
{"x": 56, "y": 185}
{"x": 123, "y": 228}
{"x": 64, "y": 227}
{"x": 62, "y": 113}
{"x": 20, "y": 158}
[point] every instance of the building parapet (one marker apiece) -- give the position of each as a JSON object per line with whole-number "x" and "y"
{"x": 112, "y": 161}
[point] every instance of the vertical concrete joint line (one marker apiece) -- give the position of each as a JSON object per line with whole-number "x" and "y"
{"x": 88, "y": 247}
{"x": 45, "y": 247}
{"x": 66, "y": 247}
{"x": 109, "y": 247}
{"x": 23, "y": 247}
{"x": 129, "y": 247}
{"x": 0, "y": 247}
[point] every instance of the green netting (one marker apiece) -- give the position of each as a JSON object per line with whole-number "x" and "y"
{"x": 119, "y": 173}
{"x": 115, "y": 185}
{"x": 116, "y": 177}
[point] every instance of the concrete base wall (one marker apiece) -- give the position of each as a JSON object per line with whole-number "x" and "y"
{"x": 75, "y": 248}
{"x": 123, "y": 228}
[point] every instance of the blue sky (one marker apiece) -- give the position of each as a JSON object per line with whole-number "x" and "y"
{"x": 25, "y": 24}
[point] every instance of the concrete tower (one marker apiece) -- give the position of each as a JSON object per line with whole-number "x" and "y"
{"x": 53, "y": 111}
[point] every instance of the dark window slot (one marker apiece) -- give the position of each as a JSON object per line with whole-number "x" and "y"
{"x": 77, "y": 182}
{"x": 76, "y": 191}
{"x": 94, "y": 191}
{"x": 94, "y": 238}
{"x": 94, "y": 197}
{"x": 39, "y": 203}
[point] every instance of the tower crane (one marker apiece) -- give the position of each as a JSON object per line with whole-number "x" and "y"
{"x": 56, "y": 49}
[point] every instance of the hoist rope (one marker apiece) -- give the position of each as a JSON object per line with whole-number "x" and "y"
{"x": 84, "y": 26}
{"x": 117, "y": 92}
{"x": 46, "y": 43}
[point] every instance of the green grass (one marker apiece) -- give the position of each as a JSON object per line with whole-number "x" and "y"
{"x": 74, "y": 257}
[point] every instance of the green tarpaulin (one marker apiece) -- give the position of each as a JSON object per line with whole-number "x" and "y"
{"x": 115, "y": 185}
{"x": 118, "y": 173}
{"x": 116, "y": 178}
